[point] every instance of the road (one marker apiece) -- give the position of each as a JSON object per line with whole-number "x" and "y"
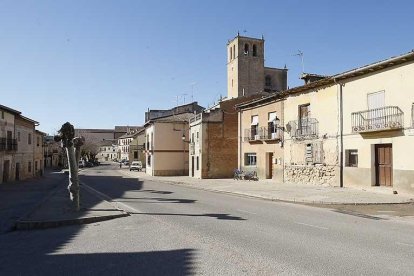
{"x": 176, "y": 230}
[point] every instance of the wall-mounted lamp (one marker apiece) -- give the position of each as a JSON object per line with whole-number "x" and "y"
{"x": 183, "y": 138}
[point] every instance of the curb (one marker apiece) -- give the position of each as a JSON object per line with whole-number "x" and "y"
{"x": 328, "y": 203}
{"x": 29, "y": 225}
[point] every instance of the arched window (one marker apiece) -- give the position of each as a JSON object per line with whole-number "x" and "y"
{"x": 246, "y": 49}
{"x": 254, "y": 50}
{"x": 268, "y": 81}
{"x": 231, "y": 53}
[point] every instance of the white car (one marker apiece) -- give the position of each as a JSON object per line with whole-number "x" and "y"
{"x": 136, "y": 165}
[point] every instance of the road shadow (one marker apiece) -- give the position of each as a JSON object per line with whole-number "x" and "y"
{"x": 217, "y": 216}
{"x": 39, "y": 253}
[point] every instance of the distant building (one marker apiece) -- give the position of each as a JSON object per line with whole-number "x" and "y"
{"x": 137, "y": 147}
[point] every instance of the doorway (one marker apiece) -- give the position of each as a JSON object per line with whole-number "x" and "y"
{"x": 269, "y": 165}
{"x": 383, "y": 165}
{"x": 17, "y": 171}
{"x": 6, "y": 169}
{"x": 192, "y": 166}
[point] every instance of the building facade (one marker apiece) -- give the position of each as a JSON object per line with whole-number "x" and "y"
{"x": 166, "y": 145}
{"x": 24, "y": 158}
{"x": 8, "y": 143}
{"x": 354, "y": 128}
{"x": 137, "y": 147}
{"x": 214, "y": 140}
{"x": 261, "y": 137}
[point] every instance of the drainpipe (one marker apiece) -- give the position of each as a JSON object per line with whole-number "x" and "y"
{"x": 341, "y": 136}
{"x": 240, "y": 139}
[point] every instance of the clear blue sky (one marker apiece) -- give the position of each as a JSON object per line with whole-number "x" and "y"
{"x": 102, "y": 63}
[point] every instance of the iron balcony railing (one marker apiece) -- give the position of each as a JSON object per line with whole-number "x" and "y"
{"x": 262, "y": 133}
{"x": 195, "y": 118}
{"x": 378, "y": 119}
{"x": 8, "y": 144}
{"x": 306, "y": 128}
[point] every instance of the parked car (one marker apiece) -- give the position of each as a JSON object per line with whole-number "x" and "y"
{"x": 80, "y": 164}
{"x": 136, "y": 166}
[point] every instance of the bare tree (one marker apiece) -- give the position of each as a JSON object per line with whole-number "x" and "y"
{"x": 72, "y": 144}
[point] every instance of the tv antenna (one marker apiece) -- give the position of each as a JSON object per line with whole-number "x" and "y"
{"x": 300, "y": 54}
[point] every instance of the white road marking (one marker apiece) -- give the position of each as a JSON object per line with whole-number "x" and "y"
{"x": 105, "y": 197}
{"x": 406, "y": 244}
{"x": 247, "y": 212}
{"x": 310, "y": 225}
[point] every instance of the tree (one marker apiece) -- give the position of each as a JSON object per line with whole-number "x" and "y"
{"x": 72, "y": 144}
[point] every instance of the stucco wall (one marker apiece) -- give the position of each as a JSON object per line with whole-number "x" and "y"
{"x": 261, "y": 148}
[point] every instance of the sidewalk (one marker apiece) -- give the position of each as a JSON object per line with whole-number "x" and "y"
{"x": 301, "y": 193}
{"x": 44, "y": 202}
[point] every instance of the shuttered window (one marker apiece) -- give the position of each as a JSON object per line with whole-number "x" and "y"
{"x": 376, "y": 100}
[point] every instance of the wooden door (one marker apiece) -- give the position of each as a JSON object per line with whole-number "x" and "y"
{"x": 17, "y": 171}
{"x": 270, "y": 165}
{"x": 192, "y": 166}
{"x": 6, "y": 168}
{"x": 383, "y": 164}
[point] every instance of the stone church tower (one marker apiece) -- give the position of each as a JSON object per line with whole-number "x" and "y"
{"x": 246, "y": 73}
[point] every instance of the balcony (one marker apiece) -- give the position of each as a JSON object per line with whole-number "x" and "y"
{"x": 262, "y": 134}
{"x": 271, "y": 134}
{"x": 306, "y": 128}
{"x": 8, "y": 144}
{"x": 378, "y": 119}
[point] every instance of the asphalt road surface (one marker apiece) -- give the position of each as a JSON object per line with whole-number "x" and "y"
{"x": 175, "y": 230}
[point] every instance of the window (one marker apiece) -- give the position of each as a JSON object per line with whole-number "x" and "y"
{"x": 246, "y": 49}
{"x": 38, "y": 141}
{"x": 351, "y": 158}
{"x": 192, "y": 137}
{"x": 29, "y": 139}
{"x": 149, "y": 160}
{"x": 234, "y": 51}
{"x": 271, "y": 124}
{"x": 412, "y": 115}
{"x": 254, "y": 50}
{"x": 29, "y": 167}
{"x": 250, "y": 159}
{"x": 268, "y": 80}
{"x": 35, "y": 165}
{"x": 18, "y": 136}
{"x": 231, "y": 53}
{"x": 254, "y": 127}
{"x": 198, "y": 160}
{"x": 135, "y": 155}
{"x": 2, "y": 115}
{"x": 197, "y": 136}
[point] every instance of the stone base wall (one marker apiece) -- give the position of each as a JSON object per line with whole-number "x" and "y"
{"x": 311, "y": 174}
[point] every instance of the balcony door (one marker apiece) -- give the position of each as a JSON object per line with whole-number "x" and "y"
{"x": 383, "y": 164}
{"x": 303, "y": 122}
{"x": 375, "y": 101}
